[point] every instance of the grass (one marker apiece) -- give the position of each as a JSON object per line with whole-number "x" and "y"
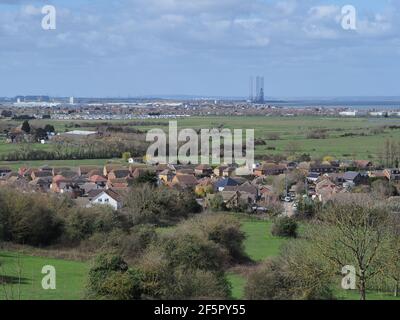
{"x": 70, "y": 278}
{"x": 238, "y": 283}
{"x": 15, "y": 165}
{"x": 363, "y": 144}
{"x": 260, "y": 244}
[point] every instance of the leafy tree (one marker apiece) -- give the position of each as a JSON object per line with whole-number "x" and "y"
{"x": 26, "y": 127}
{"x": 126, "y": 156}
{"x": 285, "y": 227}
{"x": 49, "y": 128}
{"x": 111, "y": 278}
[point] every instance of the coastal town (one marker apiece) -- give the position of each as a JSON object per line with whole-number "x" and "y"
{"x": 270, "y": 185}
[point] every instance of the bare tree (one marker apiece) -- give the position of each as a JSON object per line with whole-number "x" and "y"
{"x": 353, "y": 232}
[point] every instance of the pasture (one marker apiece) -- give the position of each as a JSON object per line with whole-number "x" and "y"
{"x": 343, "y": 138}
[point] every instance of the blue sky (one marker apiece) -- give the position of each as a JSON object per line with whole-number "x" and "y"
{"x": 199, "y": 47}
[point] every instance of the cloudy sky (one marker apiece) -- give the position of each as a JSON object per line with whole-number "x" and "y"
{"x": 199, "y": 47}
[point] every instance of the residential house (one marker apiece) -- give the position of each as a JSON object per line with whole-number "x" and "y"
{"x": 106, "y": 197}
{"x": 363, "y": 164}
{"x": 184, "y": 181}
{"x": 221, "y": 184}
{"x": 203, "y": 170}
{"x": 353, "y": 178}
{"x": 40, "y": 174}
{"x": 392, "y": 174}
{"x": 119, "y": 174}
{"x": 85, "y": 170}
{"x": 119, "y": 184}
{"x": 165, "y": 176}
{"x": 313, "y": 177}
{"x": 41, "y": 184}
{"x": 270, "y": 169}
{"x": 326, "y": 189}
{"x": 246, "y": 190}
{"x": 323, "y": 168}
{"x": 110, "y": 167}
{"x": 99, "y": 180}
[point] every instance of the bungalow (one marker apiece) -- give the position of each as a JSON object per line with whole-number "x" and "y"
{"x": 323, "y": 168}
{"x": 106, "y": 197}
{"x": 270, "y": 169}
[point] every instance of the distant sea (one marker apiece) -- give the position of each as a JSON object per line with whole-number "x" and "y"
{"x": 356, "y": 104}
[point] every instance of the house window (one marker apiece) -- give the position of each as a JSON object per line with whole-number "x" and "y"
{"x": 106, "y": 200}
{"x": 100, "y": 200}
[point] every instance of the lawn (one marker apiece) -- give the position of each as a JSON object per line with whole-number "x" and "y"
{"x": 26, "y": 284}
{"x": 260, "y": 244}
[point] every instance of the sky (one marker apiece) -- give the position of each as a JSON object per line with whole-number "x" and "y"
{"x": 115, "y": 48}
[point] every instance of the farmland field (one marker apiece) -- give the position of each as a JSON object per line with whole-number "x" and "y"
{"x": 345, "y": 138}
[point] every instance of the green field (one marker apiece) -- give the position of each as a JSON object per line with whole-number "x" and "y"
{"x": 15, "y": 165}
{"x": 364, "y": 142}
{"x": 26, "y": 283}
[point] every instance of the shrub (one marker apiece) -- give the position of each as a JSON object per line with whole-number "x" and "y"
{"x": 28, "y": 219}
{"x": 160, "y": 206}
{"x": 222, "y": 229}
{"x": 285, "y": 227}
{"x": 110, "y": 278}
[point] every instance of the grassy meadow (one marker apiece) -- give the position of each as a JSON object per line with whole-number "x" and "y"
{"x": 21, "y": 277}
{"x": 346, "y": 138}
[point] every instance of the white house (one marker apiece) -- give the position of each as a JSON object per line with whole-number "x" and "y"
{"x": 107, "y": 197}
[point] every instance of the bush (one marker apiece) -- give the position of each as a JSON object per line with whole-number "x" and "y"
{"x": 28, "y": 219}
{"x": 298, "y": 273}
{"x": 159, "y": 206}
{"x": 267, "y": 283}
{"x": 285, "y": 227}
{"x": 222, "y": 229}
{"x": 166, "y": 279}
{"x": 110, "y": 278}
{"x": 191, "y": 252}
